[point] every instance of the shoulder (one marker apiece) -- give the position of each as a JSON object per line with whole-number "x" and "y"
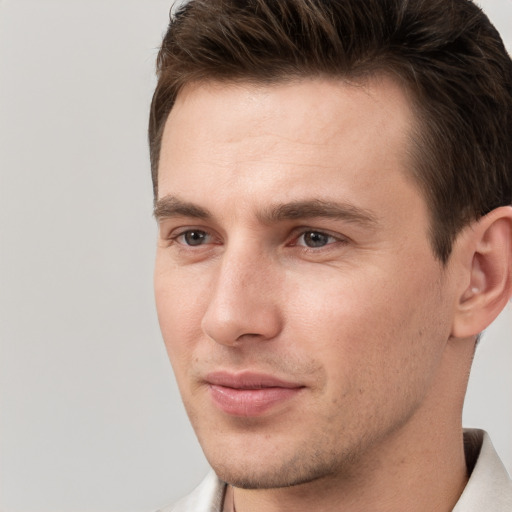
{"x": 489, "y": 487}
{"x": 206, "y": 497}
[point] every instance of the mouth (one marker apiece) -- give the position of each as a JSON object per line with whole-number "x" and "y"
{"x": 249, "y": 394}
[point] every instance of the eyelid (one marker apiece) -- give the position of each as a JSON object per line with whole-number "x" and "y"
{"x": 209, "y": 236}
{"x": 204, "y": 241}
{"x": 298, "y": 232}
{"x": 172, "y": 235}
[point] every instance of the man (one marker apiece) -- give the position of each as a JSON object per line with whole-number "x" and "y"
{"x": 333, "y": 187}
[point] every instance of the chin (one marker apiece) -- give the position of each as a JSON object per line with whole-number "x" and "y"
{"x": 273, "y": 474}
{"x": 267, "y": 479}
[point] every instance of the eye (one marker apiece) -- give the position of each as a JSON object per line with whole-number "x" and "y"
{"x": 315, "y": 239}
{"x": 193, "y": 237}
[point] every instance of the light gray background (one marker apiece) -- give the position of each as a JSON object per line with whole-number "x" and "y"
{"x": 90, "y": 416}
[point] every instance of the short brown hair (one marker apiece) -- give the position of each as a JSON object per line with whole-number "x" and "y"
{"x": 445, "y": 52}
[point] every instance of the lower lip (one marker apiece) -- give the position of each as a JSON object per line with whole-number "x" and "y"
{"x": 250, "y": 402}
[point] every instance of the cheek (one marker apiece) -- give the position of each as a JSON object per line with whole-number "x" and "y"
{"x": 341, "y": 307}
{"x": 180, "y": 303}
{"x": 381, "y": 328}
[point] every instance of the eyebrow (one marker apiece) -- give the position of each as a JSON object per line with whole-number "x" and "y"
{"x": 170, "y": 206}
{"x": 317, "y": 208}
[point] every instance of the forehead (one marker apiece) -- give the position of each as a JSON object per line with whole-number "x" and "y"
{"x": 317, "y": 134}
{"x": 319, "y": 101}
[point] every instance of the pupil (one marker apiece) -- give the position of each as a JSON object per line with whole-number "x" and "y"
{"x": 194, "y": 237}
{"x": 315, "y": 239}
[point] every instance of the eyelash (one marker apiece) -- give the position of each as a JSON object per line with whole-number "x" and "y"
{"x": 330, "y": 239}
{"x": 187, "y": 232}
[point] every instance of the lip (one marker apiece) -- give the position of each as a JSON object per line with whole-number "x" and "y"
{"x": 249, "y": 394}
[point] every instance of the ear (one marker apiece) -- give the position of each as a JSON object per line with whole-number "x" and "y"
{"x": 486, "y": 253}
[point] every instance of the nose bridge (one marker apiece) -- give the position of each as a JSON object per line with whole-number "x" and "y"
{"x": 244, "y": 299}
{"x": 245, "y": 266}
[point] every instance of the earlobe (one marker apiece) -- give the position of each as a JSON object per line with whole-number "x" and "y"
{"x": 488, "y": 286}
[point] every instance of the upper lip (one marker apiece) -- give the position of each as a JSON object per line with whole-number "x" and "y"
{"x": 248, "y": 380}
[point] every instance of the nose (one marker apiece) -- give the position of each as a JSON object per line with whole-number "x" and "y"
{"x": 244, "y": 301}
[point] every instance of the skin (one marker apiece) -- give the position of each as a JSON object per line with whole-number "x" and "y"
{"x": 363, "y": 321}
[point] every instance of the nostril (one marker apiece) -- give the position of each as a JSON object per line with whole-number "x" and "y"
{"x": 248, "y": 336}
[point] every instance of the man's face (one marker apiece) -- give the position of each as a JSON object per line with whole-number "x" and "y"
{"x": 301, "y": 305}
